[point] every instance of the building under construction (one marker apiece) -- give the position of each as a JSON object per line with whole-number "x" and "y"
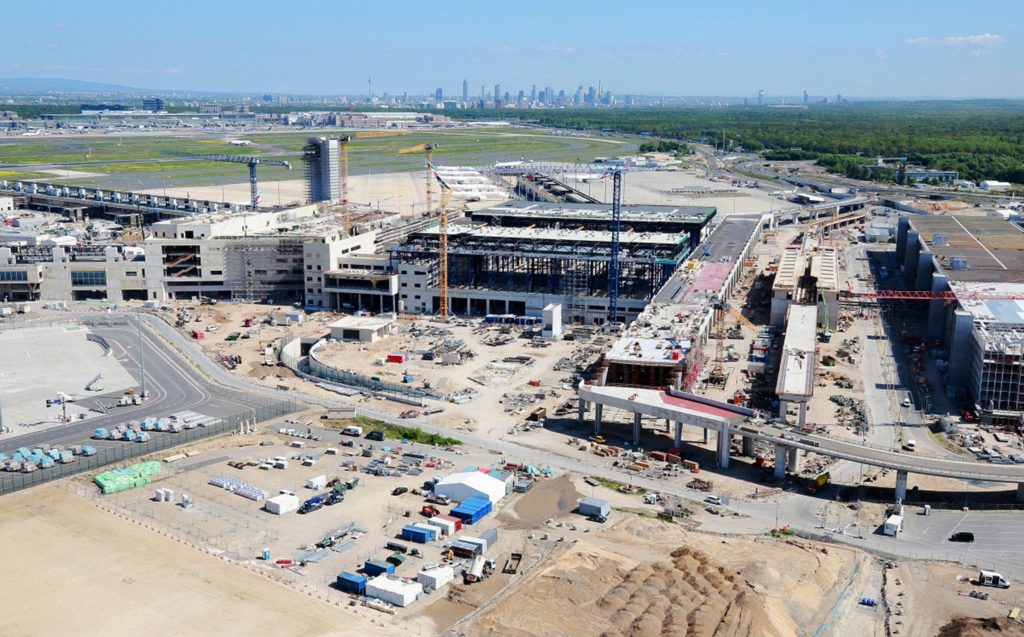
{"x": 519, "y": 257}
{"x": 322, "y": 156}
{"x": 979, "y": 260}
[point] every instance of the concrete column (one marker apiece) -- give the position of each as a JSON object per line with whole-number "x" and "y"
{"x": 748, "y": 446}
{"x": 724, "y": 438}
{"x": 1020, "y": 492}
{"x": 598, "y": 409}
{"x": 901, "y": 486}
{"x": 780, "y": 462}
{"x": 793, "y": 460}
{"x": 705, "y": 435}
{"x": 679, "y": 435}
{"x": 636, "y": 428}
{"x": 782, "y": 410}
{"x": 583, "y": 410}
{"x": 803, "y": 414}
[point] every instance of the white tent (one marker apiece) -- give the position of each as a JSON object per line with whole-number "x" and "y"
{"x": 471, "y": 484}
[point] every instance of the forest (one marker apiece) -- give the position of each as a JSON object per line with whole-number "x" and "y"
{"x": 982, "y": 139}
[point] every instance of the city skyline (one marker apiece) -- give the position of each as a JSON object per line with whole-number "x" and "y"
{"x": 684, "y": 50}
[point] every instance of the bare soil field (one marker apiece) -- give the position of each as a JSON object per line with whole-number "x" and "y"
{"x": 109, "y": 576}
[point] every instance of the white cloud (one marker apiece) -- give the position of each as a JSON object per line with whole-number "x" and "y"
{"x": 974, "y": 44}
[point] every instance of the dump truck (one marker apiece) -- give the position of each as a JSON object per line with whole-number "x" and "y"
{"x": 818, "y": 483}
{"x": 991, "y": 578}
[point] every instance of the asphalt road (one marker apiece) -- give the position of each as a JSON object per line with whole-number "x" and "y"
{"x": 173, "y": 385}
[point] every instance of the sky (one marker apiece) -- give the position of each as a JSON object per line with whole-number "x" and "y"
{"x": 857, "y": 48}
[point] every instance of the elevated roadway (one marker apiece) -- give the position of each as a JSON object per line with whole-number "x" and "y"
{"x": 728, "y": 420}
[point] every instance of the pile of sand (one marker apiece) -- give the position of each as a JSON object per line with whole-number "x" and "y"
{"x": 591, "y": 591}
{"x": 981, "y": 627}
{"x": 549, "y": 499}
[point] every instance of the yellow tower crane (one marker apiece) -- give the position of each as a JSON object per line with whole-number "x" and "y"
{"x": 429, "y": 150}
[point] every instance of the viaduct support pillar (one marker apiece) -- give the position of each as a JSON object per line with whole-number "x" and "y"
{"x": 793, "y": 460}
{"x": 598, "y": 409}
{"x": 583, "y": 410}
{"x": 782, "y": 410}
{"x": 724, "y": 438}
{"x": 1020, "y": 492}
{"x": 780, "y": 462}
{"x": 901, "y": 486}
{"x": 748, "y": 446}
{"x": 679, "y": 435}
{"x": 803, "y": 414}
{"x": 705, "y": 435}
{"x": 636, "y": 428}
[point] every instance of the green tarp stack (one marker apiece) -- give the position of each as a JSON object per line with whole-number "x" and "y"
{"x": 137, "y": 475}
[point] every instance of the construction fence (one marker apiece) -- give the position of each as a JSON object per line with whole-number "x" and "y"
{"x": 110, "y": 452}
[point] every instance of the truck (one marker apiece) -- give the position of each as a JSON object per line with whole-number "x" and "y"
{"x": 991, "y": 578}
{"x": 819, "y": 482}
{"x": 313, "y": 504}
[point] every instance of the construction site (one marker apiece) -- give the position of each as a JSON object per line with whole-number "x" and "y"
{"x": 623, "y": 405}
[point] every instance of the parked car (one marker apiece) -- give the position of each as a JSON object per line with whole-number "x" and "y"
{"x": 443, "y": 500}
{"x": 399, "y": 491}
{"x": 376, "y": 434}
{"x": 713, "y": 499}
{"x": 962, "y": 536}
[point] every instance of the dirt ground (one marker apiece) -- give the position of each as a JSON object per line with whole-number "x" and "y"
{"x": 113, "y": 577}
{"x": 646, "y": 577}
{"x": 980, "y": 627}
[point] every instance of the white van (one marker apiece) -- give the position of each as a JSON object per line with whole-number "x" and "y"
{"x": 911, "y": 445}
{"x": 352, "y": 430}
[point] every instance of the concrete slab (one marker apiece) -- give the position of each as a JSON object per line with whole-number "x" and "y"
{"x": 39, "y": 362}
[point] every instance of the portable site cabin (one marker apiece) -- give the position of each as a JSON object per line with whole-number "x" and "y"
{"x": 351, "y": 583}
{"x": 378, "y": 567}
{"x": 435, "y": 578}
{"x": 893, "y": 525}
{"x": 399, "y": 592}
{"x": 595, "y": 506}
{"x": 281, "y": 504}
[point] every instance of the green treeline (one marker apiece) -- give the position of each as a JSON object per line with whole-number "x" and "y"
{"x": 982, "y": 139}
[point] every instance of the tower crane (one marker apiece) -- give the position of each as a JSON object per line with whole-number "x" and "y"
{"x": 241, "y": 159}
{"x": 442, "y": 249}
{"x": 429, "y": 150}
{"x": 614, "y": 265}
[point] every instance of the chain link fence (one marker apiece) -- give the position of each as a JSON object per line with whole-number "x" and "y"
{"x": 115, "y": 451}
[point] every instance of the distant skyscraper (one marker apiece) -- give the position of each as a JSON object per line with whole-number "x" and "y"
{"x": 579, "y": 95}
{"x": 805, "y": 97}
{"x": 760, "y": 97}
{"x": 438, "y": 95}
{"x": 465, "y": 90}
{"x": 522, "y": 96}
{"x": 483, "y": 93}
{"x": 533, "y": 93}
{"x": 497, "y": 92}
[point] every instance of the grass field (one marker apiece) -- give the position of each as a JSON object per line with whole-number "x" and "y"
{"x": 148, "y": 159}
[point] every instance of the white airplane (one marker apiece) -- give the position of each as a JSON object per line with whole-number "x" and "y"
{"x": 239, "y": 142}
{"x": 33, "y": 132}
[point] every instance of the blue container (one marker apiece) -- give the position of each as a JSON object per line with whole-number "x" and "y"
{"x": 54, "y": 453}
{"x": 3, "y": 456}
{"x": 24, "y": 452}
{"x": 129, "y": 434}
{"x": 374, "y": 568}
{"x": 45, "y": 462}
{"x": 351, "y": 583}
{"x": 142, "y": 437}
{"x": 88, "y": 450}
{"x": 472, "y": 510}
{"x": 18, "y": 457}
{"x": 412, "y": 534}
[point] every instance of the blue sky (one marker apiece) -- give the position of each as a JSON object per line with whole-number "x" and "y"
{"x": 859, "y": 48}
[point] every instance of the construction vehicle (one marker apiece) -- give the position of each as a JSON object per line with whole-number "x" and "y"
{"x": 479, "y": 570}
{"x": 429, "y": 511}
{"x": 819, "y": 482}
{"x": 991, "y": 578}
{"x": 252, "y": 162}
{"x": 449, "y": 556}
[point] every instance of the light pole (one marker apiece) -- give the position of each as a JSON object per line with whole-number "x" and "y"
{"x": 142, "y": 357}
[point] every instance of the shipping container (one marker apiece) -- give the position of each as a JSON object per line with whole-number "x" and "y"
{"x": 377, "y": 567}
{"x": 412, "y": 534}
{"x": 351, "y": 583}
{"x": 595, "y": 506}
{"x": 472, "y": 510}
